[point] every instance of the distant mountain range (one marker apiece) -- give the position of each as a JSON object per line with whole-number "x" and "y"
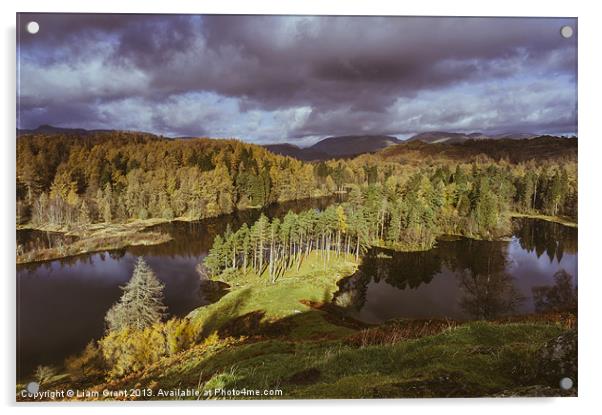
{"x": 49, "y": 129}
{"x": 354, "y": 145}
{"x": 349, "y": 146}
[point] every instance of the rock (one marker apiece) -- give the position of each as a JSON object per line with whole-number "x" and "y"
{"x": 557, "y": 359}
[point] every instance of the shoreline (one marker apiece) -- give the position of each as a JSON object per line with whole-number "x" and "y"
{"x": 555, "y": 219}
{"x": 94, "y": 238}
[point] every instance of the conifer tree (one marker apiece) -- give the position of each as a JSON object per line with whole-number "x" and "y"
{"x": 245, "y": 244}
{"x": 141, "y": 303}
{"x": 261, "y": 235}
{"x": 214, "y": 259}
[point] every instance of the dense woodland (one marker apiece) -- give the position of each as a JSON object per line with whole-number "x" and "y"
{"x": 71, "y": 181}
{"x": 406, "y": 212}
{"x": 115, "y": 177}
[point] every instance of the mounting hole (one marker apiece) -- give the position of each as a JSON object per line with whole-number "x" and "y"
{"x": 566, "y": 383}
{"x": 33, "y": 387}
{"x": 566, "y": 32}
{"x": 33, "y": 27}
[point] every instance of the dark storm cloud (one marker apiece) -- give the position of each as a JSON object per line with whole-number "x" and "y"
{"x": 270, "y": 78}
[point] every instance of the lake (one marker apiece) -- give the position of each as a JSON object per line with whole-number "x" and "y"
{"x": 62, "y": 303}
{"x": 462, "y": 279}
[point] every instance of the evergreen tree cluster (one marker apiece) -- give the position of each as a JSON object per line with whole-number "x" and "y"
{"x": 273, "y": 246}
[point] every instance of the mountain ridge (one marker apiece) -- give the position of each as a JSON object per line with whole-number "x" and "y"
{"x": 344, "y": 146}
{"x": 439, "y": 137}
{"x": 348, "y": 146}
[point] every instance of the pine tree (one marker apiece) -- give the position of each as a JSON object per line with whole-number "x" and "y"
{"x": 214, "y": 260}
{"x": 141, "y": 303}
{"x": 394, "y": 229}
{"x": 261, "y": 235}
{"x": 341, "y": 226}
{"x": 106, "y": 203}
{"x": 274, "y": 231}
{"x": 245, "y": 244}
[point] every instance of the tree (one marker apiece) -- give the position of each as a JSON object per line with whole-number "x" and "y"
{"x": 244, "y": 237}
{"x": 341, "y": 226}
{"x": 40, "y": 210}
{"x": 141, "y": 303}
{"x": 486, "y": 210}
{"x": 274, "y": 228}
{"x": 214, "y": 260}
{"x": 105, "y": 203}
{"x": 260, "y": 235}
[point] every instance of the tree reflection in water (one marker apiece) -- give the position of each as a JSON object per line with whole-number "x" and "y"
{"x": 561, "y": 296}
{"x": 488, "y": 291}
{"x": 488, "y": 296}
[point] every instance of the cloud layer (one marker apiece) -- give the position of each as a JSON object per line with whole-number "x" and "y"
{"x": 297, "y": 78}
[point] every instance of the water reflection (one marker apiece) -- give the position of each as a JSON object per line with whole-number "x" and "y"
{"x": 31, "y": 240}
{"x": 541, "y": 237}
{"x": 468, "y": 279}
{"x": 488, "y": 296}
{"x": 562, "y": 296}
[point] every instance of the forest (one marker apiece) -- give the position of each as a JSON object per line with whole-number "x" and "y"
{"x": 70, "y": 181}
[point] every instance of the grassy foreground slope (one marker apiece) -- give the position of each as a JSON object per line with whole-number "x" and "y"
{"x": 475, "y": 359}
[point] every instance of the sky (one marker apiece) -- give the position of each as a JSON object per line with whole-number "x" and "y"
{"x": 296, "y": 79}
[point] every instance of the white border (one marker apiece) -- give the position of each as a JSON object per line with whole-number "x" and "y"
{"x": 590, "y": 201}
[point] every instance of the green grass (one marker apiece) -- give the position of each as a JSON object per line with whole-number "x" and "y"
{"x": 314, "y": 281}
{"x": 476, "y": 359}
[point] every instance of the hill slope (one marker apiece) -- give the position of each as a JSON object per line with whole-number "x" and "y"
{"x": 336, "y": 147}
{"x": 440, "y": 137}
{"x": 515, "y": 151}
{"x": 350, "y": 145}
{"x": 299, "y": 153}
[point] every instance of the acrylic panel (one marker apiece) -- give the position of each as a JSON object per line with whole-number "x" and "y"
{"x": 295, "y": 207}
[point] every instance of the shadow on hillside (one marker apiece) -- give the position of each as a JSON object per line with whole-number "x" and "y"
{"x": 225, "y": 311}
